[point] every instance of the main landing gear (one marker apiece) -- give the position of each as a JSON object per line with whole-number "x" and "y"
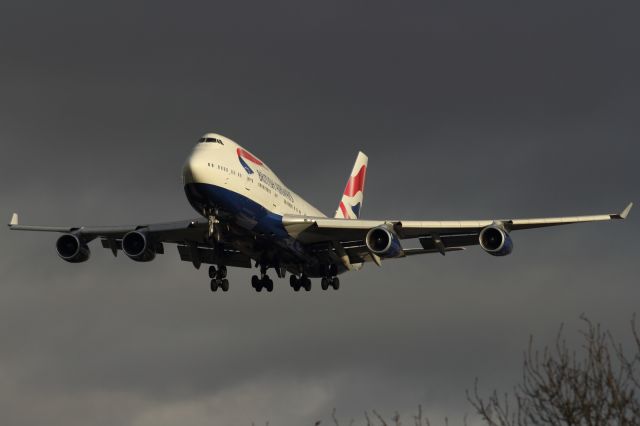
{"x": 264, "y": 282}
{"x": 330, "y": 282}
{"x": 218, "y": 278}
{"x": 298, "y": 283}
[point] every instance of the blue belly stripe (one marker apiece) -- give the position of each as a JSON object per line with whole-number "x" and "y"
{"x": 253, "y": 217}
{"x": 247, "y": 213}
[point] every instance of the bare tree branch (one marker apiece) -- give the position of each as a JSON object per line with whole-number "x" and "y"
{"x": 599, "y": 386}
{"x": 380, "y": 418}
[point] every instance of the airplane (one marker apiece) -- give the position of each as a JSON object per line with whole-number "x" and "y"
{"x": 249, "y": 218}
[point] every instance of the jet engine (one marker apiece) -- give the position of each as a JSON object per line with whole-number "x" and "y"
{"x": 72, "y": 249}
{"x": 496, "y": 241}
{"x": 383, "y": 242}
{"x": 137, "y": 245}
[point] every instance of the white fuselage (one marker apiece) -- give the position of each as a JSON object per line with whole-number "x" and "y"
{"x": 224, "y": 164}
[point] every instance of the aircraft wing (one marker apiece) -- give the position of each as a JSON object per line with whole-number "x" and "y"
{"x": 191, "y": 236}
{"x": 170, "y": 231}
{"x": 440, "y": 235}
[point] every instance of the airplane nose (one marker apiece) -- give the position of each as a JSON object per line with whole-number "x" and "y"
{"x": 192, "y": 171}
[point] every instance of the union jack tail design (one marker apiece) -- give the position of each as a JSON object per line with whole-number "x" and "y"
{"x": 351, "y": 203}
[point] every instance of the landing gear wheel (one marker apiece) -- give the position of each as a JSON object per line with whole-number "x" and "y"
{"x": 324, "y": 283}
{"x": 224, "y": 285}
{"x": 214, "y": 285}
{"x": 212, "y": 271}
{"x": 335, "y": 283}
{"x": 295, "y": 283}
{"x": 222, "y": 271}
{"x": 260, "y": 283}
{"x": 307, "y": 284}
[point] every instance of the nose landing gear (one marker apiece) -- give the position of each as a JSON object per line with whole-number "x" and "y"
{"x": 214, "y": 233}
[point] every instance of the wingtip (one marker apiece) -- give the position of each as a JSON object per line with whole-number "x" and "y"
{"x": 626, "y": 211}
{"x": 14, "y": 220}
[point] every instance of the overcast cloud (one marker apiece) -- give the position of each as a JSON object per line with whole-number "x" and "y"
{"x": 466, "y": 109}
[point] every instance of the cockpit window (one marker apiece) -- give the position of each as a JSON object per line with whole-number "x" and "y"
{"x": 214, "y": 140}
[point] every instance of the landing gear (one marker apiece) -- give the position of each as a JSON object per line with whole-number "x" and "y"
{"x": 262, "y": 283}
{"x": 335, "y": 283}
{"x": 218, "y": 283}
{"x": 294, "y": 282}
{"x": 298, "y": 283}
{"x": 219, "y": 278}
{"x": 222, "y": 271}
{"x": 224, "y": 285}
{"x": 324, "y": 283}
{"x": 212, "y": 231}
{"x": 330, "y": 282}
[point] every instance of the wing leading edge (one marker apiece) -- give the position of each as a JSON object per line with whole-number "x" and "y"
{"x": 312, "y": 230}
{"x": 191, "y": 236}
{"x": 345, "y": 238}
{"x": 167, "y": 231}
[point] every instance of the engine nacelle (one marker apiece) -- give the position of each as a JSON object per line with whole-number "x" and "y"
{"x": 72, "y": 249}
{"x": 383, "y": 242}
{"x": 137, "y": 245}
{"x": 496, "y": 241}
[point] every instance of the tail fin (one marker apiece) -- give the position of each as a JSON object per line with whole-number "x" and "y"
{"x": 351, "y": 203}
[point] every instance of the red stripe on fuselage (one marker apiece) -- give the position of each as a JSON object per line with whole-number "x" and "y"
{"x": 356, "y": 183}
{"x": 247, "y": 156}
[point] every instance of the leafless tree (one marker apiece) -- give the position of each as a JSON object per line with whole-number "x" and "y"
{"x": 395, "y": 420}
{"x": 598, "y": 385}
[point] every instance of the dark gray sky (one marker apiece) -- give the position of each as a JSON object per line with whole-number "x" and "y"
{"x": 466, "y": 109}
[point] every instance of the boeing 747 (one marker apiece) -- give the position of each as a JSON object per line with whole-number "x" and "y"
{"x": 249, "y": 218}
